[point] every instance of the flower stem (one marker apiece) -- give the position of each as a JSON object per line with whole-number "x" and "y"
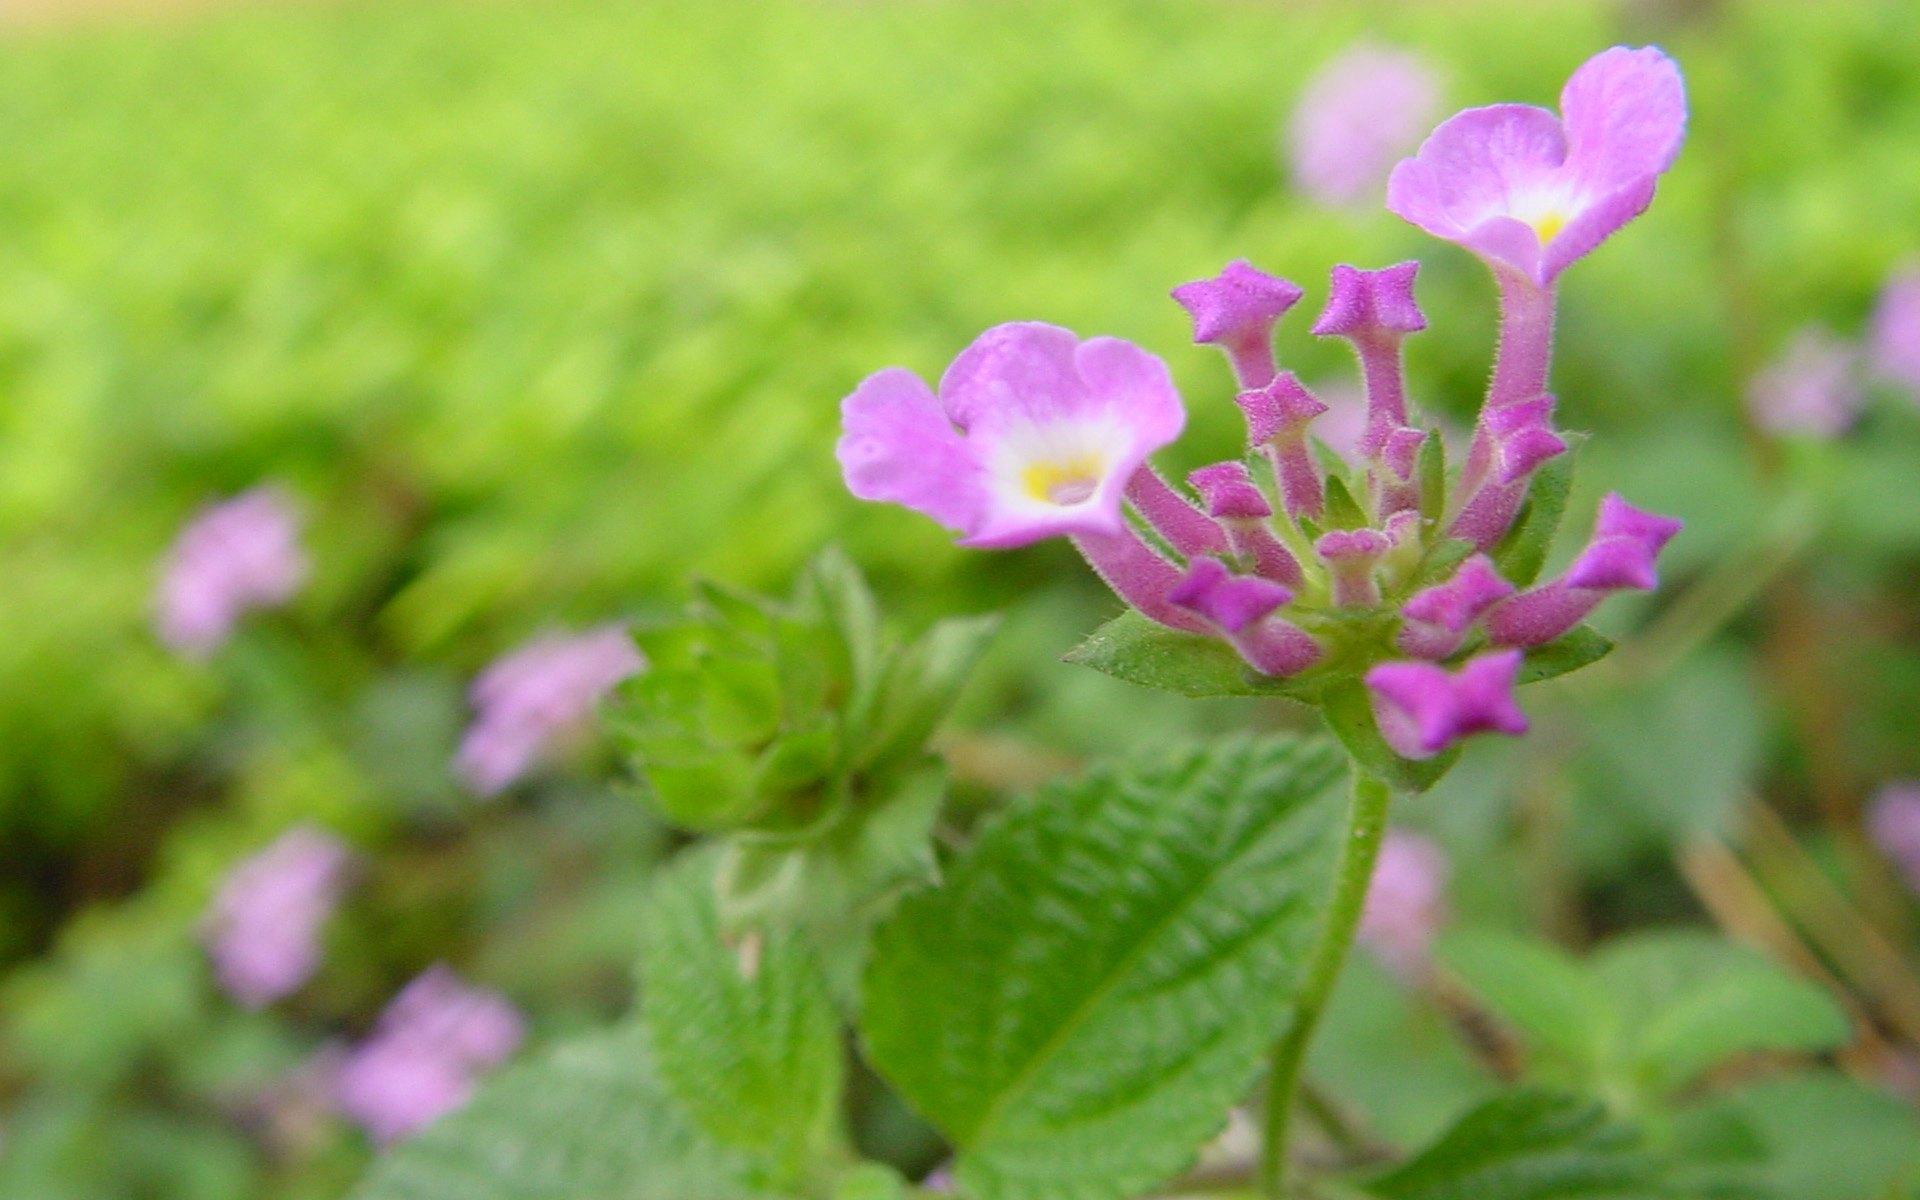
{"x": 1366, "y": 822}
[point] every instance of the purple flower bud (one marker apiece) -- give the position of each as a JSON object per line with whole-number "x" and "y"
{"x": 537, "y": 695}
{"x": 1531, "y": 192}
{"x": 1422, "y": 709}
{"x": 427, "y": 1051}
{"x": 1358, "y": 113}
{"x": 1351, "y": 554}
{"x": 1621, "y": 555}
{"x": 1437, "y": 618}
{"x": 233, "y": 557}
{"x": 1894, "y": 824}
{"x": 1812, "y": 389}
{"x": 1277, "y": 419}
{"x": 1238, "y": 503}
{"x": 1371, "y": 304}
{"x": 1240, "y": 608}
{"x": 1237, "y": 310}
{"x": 1895, "y": 338}
{"x": 263, "y": 928}
{"x": 1406, "y": 902}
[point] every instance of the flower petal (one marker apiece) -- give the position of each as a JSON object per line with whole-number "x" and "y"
{"x": 897, "y": 445}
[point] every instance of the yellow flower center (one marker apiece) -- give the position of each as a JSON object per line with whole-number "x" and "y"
{"x": 1549, "y": 224}
{"x": 1062, "y": 483}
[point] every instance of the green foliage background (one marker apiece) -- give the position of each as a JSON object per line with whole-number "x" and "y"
{"x": 542, "y": 307}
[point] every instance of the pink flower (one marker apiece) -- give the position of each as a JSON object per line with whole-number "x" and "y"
{"x": 263, "y": 929}
{"x": 1236, "y": 310}
{"x": 1423, "y": 709}
{"x": 1813, "y": 388}
{"x": 537, "y": 695}
{"x": 1894, "y": 824}
{"x": 232, "y": 557}
{"x": 1406, "y": 902}
{"x": 429, "y": 1048}
{"x": 1358, "y": 113}
{"x": 1531, "y": 192}
{"x": 1895, "y": 337}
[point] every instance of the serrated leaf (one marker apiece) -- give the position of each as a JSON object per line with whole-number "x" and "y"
{"x": 742, "y": 1029}
{"x": 588, "y": 1118}
{"x": 1086, "y": 997}
{"x": 1139, "y": 651}
{"x": 1545, "y": 994}
{"x": 1349, "y": 713}
{"x": 1527, "y": 1145}
{"x": 1523, "y": 551}
{"x": 1691, "y": 1001}
{"x": 1581, "y": 646}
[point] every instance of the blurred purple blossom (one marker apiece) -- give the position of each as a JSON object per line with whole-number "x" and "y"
{"x": 433, "y": 1043}
{"x": 1357, "y": 115}
{"x": 263, "y": 930}
{"x": 1812, "y": 388}
{"x": 1895, "y": 338}
{"x": 539, "y": 693}
{"x": 1406, "y": 903}
{"x": 1894, "y": 824}
{"x": 238, "y": 555}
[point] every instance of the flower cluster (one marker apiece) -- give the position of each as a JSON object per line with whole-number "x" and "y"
{"x": 1355, "y": 117}
{"x": 235, "y": 556}
{"x": 536, "y": 695}
{"x": 429, "y": 1048}
{"x": 1391, "y": 569}
{"x": 263, "y": 929}
{"x": 1406, "y": 902}
{"x": 1811, "y": 389}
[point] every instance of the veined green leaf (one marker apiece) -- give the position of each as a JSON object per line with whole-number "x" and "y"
{"x": 1132, "y": 648}
{"x": 1528, "y": 1145}
{"x": 1081, "y": 1003}
{"x": 588, "y": 1118}
{"x": 1581, "y": 646}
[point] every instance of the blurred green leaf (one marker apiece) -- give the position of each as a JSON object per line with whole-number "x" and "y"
{"x": 1528, "y": 1145}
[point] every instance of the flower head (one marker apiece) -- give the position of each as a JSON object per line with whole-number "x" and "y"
{"x": 1034, "y": 434}
{"x": 537, "y": 694}
{"x": 1894, "y": 824}
{"x": 1358, "y": 113}
{"x": 1406, "y": 902}
{"x": 263, "y": 928}
{"x": 1812, "y": 388}
{"x": 1423, "y": 709}
{"x": 235, "y": 556}
{"x": 429, "y": 1048}
{"x": 1894, "y": 342}
{"x": 1531, "y": 192}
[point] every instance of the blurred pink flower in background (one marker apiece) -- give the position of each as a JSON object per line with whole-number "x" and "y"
{"x": 1356, "y": 117}
{"x": 1811, "y": 388}
{"x": 433, "y": 1043}
{"x": 538, "y": 694}
{"x": 1406, "y": 903}
{"x": 239, "y": 555}
{"x": 263, "y": 930}
{"x": 1894, "y": 342}
{"x": 1894, "y": 824}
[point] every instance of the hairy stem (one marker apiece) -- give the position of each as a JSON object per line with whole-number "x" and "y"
{"x": 1366, "y": 822}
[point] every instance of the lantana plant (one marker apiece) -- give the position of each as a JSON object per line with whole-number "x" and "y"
{"x": 1065, "y": 1000}
{"x": 1401, "y": 595}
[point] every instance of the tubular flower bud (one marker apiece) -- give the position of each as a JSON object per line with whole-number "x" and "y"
{"x": 1233, "y": 499}
{"x": 1424, "y": 709}
{"x": 1620, "y": 557}
{"x": 1236, "y": 310}
{"x": 1277, "y": 419}
{"x": 1241, "y": 608}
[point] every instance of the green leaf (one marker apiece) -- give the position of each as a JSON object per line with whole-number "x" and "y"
{"x": 1527, "y": 1145}
{"x": 1691, "y": 1001}
{"x": 1349, "y": 714}
{"x": 742, "y": 1029}
{"x": 1132, "y": 648}
{"x": 1581, "y": 646}
{"x": 1547, "y": 996}
{"x": 1343, "y": 511}
{"x": 1828, "y": 1137}
{"x": 1431, "y": 471}
{"x": 1522, "y": 553}
{"x": 922, "y": 682}
{"x": 588, "y": 1118}
{"x": 848, "y": 607}
{"x": 1087, "y": 996}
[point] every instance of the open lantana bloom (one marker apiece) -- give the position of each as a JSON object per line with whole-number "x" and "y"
{"x": 1531, "y": 191}
{"x": 1395, "y": 572}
